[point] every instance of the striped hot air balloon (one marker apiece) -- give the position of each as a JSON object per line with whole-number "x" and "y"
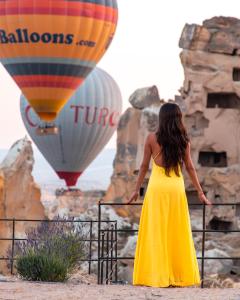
{"x": 86, "y": 124}
{"x": 50, "y": 46}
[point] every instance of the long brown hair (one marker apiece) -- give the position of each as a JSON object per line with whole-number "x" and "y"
{"x": 172, "y": 137}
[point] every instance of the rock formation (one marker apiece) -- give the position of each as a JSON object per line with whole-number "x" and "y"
{"x": 19, "y": 194}
{"x": 134, "y": 126}
{"x": 211, "y": 101}
{"x": 144, "y": 97}
{"x": 67, "y": 203}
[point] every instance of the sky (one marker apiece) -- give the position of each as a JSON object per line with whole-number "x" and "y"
{"x": 144, "y": 52}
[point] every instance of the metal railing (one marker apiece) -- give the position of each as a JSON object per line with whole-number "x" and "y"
{"x": 103, "y": 253}
{"x": 90, "y": 238}
{"x": 106, "y": 239}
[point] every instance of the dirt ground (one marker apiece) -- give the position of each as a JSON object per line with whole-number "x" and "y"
{"x": 50, "y": 291}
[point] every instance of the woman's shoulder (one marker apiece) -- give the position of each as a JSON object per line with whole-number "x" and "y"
{"x": 151, "y": 137}
{"x": 151, "y": 140}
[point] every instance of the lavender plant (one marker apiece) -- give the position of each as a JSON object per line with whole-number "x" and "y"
{"x": 51, "y": 252}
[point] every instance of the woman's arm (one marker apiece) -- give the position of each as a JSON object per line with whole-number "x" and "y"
{"x": 193, "y": 176}
{"x": 143, "y": 169}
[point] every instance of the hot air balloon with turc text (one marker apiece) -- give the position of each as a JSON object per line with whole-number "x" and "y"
{"x": 86, "y": 124}
{"x": 50, "y": 46}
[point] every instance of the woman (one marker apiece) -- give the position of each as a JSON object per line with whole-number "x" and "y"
{"x": 165, "y": 254}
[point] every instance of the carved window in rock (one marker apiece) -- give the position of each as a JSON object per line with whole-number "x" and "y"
{"x": 223, "y": 100}
{"x": 238, "y": 210}
{"x": 218, "y": 224}
{"x": 236, "y": 74}
{"x": 212, "y": 159}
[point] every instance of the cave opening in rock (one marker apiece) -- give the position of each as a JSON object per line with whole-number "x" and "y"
{"x": 212, "y": 159}
{"x": 235, "y": 52}
{"x": 217, "y": 224}
{"x": 223, "y": 100}
{"x": 238, "y": 210}
{"x": 236, "y": 74}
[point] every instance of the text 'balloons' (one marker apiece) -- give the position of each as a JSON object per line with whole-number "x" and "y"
{"x": 50, "y": 46}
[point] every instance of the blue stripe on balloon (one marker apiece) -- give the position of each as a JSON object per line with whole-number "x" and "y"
{"x": 47, "y": 69}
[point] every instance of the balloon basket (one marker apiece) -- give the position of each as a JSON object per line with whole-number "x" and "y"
{"x": 68, "y": 192}
{"x": 47, "y": 130}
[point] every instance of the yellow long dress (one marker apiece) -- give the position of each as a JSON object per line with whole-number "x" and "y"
{"x": 165, "y": 253}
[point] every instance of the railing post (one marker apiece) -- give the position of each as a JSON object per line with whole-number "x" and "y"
{"x": 107, "y": 256}
{"x": 90, "y": 248}
{"x": 102, "y": 257}
{"x": 203, "y": 244}
{"x": 13, "y": 244}
{"x": 99, "y": 239}
{"x": 116, "y": 253}
{"x": 112, "y": 243}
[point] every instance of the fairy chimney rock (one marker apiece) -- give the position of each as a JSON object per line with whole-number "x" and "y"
{"x": 19, "y": 194}
{"x": 211, "y": 97}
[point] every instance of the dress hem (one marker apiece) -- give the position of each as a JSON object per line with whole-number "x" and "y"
{"x": 175, "y": 284}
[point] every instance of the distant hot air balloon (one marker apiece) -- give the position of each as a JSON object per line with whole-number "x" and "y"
{"x": 86, "y": 124}
{"x": 50, "y": 46}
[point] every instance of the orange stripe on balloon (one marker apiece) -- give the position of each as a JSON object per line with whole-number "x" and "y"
{"x": 48, "y": 81}
{"x": 54, "y": 93}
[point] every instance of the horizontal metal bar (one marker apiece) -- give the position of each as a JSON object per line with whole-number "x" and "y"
{"x": 119, "y": 204}
{"x": 220, "y": 258}
{"x": 194, "y": 230}
{"x": 131, "y": 258}
{"x": 82, "y": 260}
{"x": 212, "y": 230}
{"x": 55, "y": 221}
{"x": 199, "y": 257}
{"x": 10, "y": 240}
{"x": 141, "y": 203}
{"x": 120, "y": 230}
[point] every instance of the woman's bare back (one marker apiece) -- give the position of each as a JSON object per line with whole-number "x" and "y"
{"x": 156, "y": 150}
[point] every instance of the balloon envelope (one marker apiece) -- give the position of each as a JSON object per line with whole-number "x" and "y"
{"x": 86, "y": 124}
{"x": 50, "y": 46}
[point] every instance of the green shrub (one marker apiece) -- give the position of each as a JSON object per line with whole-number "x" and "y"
{"x": 40, "y": 267}
{"x": 51, "y": 252}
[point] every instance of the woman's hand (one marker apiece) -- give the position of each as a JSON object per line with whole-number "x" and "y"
{"x": 133, "y": 197}
{"x": 203, "y": 199}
